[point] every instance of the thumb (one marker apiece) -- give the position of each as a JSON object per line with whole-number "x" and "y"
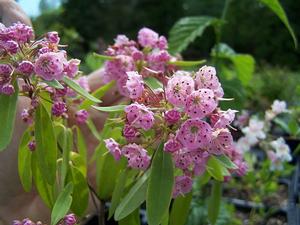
{"x": 11, "y": 12}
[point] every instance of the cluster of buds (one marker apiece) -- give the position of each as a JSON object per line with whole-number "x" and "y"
{"x": 185, "y": 116}
{"x": 26, "y": 222}
{"x": 39, "y": 67}
{"x": 69, "y": 219}
{"x": 257, "y": 132}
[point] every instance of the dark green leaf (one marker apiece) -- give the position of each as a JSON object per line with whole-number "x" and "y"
{"x": 62, "y": 204}
{"x": 105, "y": 57}
{"x": 186, "y": 30}
{"x": 115, "y": 108}
{"x": 180, "y": 209}
{"x": 276, "y": 7}
{"x": 77, "y": 88}
{"x": 99, "y": 93}
{"x": 160, "y": 186}
{"x": 293, "y": 127}
{"x": 282, "y": 124}
{"x": 131, "y": 219}
{"x": 214, "y": 202}
{"x": 153, "y": 83}
{"x": 24, "y": 162}
{"x": 118, "y": 192}
{"x": 54, "y": 84}
{"x": 187, "y": 63}
{"x": 226, "y": 162}
{"x": 133, "y": 199}
{"x": 8, "y": 108}
{"x": 46, "y": 145}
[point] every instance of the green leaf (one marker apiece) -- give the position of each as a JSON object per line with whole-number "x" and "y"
{"x": 133, "y": 199}
{"x": 293, "y": 127}
{"x": 79, "y": 163}
{"x": 62, "y": 204}
{"x": 187, "y": 63}
{"x": 186, "y": 30}
{"x": 214, "y": 168}
{"x": 99, "y": 93}
{"x": 275, "y": 6}
{"x": 105, "y": 57}
{"x": 24, "y": 162}
{"x": 46, "y": 145}
{"x": 214, "y": 202}
{"x": 244, "y": 65}
{"x": 67, "y": 148}
{"x": 118, "y": 192}
{"x": 8, "y": 108}
{"x": 54, "y": 84}
{"x": 81, "y": 145}
{"x": 77, "y": 88}
{"x": 45, "y": 190}
{"x": 180, "y": 209}
{"x": 80, "y": 192}
{"x": 131, "y": 219}
{"x": 153, "y": 83}
{"x": 115, "y": 108}
{"x": 282, "y": 124}
{"x": 93, "y": 129}
{"x": 93, "y": 62}
{"x": 160, "y": 186}
{"x": 226, "y": 162}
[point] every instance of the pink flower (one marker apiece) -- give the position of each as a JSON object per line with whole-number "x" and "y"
{"x": 179, "y": 87}
{"x": 162, "y": 43}
{"x": 81, "y": 116}
{"x": 26, "y": 116}
{"x": 10, "y": 46}
{"x": 183, "y": 185}
{"x": 129, "y": 132}
{"x": 194, "y": 133}
{"x": 71, "y": 68}
{"x": 84, "y": 83}
{"x": 225, "y": 118}
{"x": 172, "y": 116}
{"x": 5, "y": 71}
{"x": 70, "y": 219}
{"x": 137, "y": 156}
{"x": 221, "y": 142}
{"x": 20, "y": 32}
{"x": 50, "y": 66}
{"x": 26, "y": 68}
{"x": 7, "y": 89}
{"x": 147, "y": 38}
{"x": 172, "y": 145}
{"x": 59, "y": 108}
{"x": 182, "y": 159}
{"x": 139, "y": 116}
{"x": 32, "y": 145}
{"x": 200, "y": 103}
{"x": 114, "y": 148}
{"x": 134, "y": 85}
{"x": 53, "y": 37}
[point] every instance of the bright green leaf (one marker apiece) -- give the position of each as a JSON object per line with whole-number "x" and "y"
{"x": 62, "y": 204}
{"x": 282, "y": 124}
{"x": 24, "y": 162}
{"x": 214, "y": 168}
{"x": 115, "y": 108}
{"x": 67, "y": 148}
{"x": 226, "y": 162}
{"x": 81, "y": 145}
{"x": 8, "y": 108}
{"x": 244, "y": 65}
{"x": 214, "y": 202}
{"x": 54, "y": 83}
{"x": 77, "y": 88}
{"x": 276, "y": 7}
{"x": 180, "y": 209}
{"x": 46, "y": 145}
{"x": 187, "y": 63}
{"x": 153, "y": 83}
{"x": 105, "y": 57}
{"x": 160, "y": 186}
{"x": 133, "y": 199}
{"x": 186, "y": 30}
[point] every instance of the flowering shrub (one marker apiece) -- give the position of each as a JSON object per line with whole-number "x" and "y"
{"x": 171, "y": 131}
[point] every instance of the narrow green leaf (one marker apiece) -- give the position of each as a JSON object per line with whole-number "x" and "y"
{"x": 105, "y": 57}
{"x": 81, "y": 145}
{"x": 115, "y": 108}
{"x": 93, "y": 129}
{"x": 80, "y": 192}
{"x": 293, "y": 127}
{"x": 133, "y": 199}
{"x": 118, "y": 192}
{"x": 214, "y": 202}
{"x": 180, "y": 209}
{"x": 282, "y": 124}
{"x": 186, "y": 30}
{"x": 46, "y": 145}
{"x": 160, "y": 186}
{"x": 24, "y": 162}
{"x": 153, "y": 83}
{"x": 62, "y": 204}
{"x": 131, "y": 219}
{"x": 76, "y": 87}
{"x": 99, "y": 93}
{"x": 8, "y": 108}
{"x": 214, "y": 168}
{"x": 67, "y": 148}
{"x": 275, "y": 6}
{"x": 226, "y": 162}
{"x": 54, "y": 83}
{"x": 79, "y": 163}
{"x": 187, "y": 63}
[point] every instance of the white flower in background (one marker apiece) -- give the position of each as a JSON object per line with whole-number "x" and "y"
{"x": 255, "y": 129}
{"x": 243, "y": 144}
{"x": 279, "y": 107}
{"x": 282, "y": 150}
{"x": 242, "y": 119}
{"x": 276, "y": 162}
{"x": 269, "y": 115}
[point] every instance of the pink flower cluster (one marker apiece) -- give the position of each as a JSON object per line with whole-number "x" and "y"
{"x": 186, "y": 116}
{"x": 69, "y": 219}
{"x": 147, "y": 55}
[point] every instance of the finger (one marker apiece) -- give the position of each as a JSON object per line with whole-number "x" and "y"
{"x": 11, "y": 12}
